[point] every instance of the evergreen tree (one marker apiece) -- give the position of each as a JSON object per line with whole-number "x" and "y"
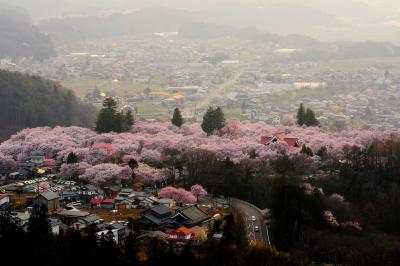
{"x": 219, "y": 119}
{"x": 107, "y": 116}
{"x": 91, "y": 241}
{"x": 322, "y": 152}
{"x": 301, "y": 115}
{"x": 108, "y": 250}
{"x": 177, "y": 119}
{"x": 129, "y": 119}
{"x": 131, "y": 249}
{"x": 72, "y": 158}
{"x": 306, "y": 150}
{"x": 310, "y": 119}
{"x": 7, "y": 225}
{"x": 119, "y": 123}
{"x": 39, "y": 221}
{"x": 213, "y": 120}
{"x": 207, "y": 124}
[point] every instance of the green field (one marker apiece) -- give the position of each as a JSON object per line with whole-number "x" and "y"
{"x": 232, "y": 113}
{"x": 82, "y": 86}
{"x": 150, "y": 108}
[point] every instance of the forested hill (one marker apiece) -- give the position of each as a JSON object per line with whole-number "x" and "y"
{"x": 30, "y": 101}
{"x": 19, "y": 38}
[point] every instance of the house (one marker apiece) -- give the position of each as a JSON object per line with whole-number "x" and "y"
{"x": 84, "y": 221}
{"x": 182, "y": 234}
{"x": 280, "y": 137}
{"x": 148, "y": 202}
{"x": 38, "y": 160}
{"x": 156, "y": 218}
{"x": 122, "y": 230}
{"x": 95, "y": 203}
{"x": 67, "y": 196}
{"x": 125, "y": 204}
{"x": 51, "y": 200}
{"x": 57, "y": 226}
{"x": 191, "y": 216}
{"x": 72, "y": 216}
{"x": 107, "y": 203}
{"x": 49, "y": 164}
{"x": 21, "y": 218}
{"x": 4, "y": 200}
{"x": 167, "y": 202}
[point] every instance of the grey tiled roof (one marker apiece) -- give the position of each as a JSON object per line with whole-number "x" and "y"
{"x": 50, "y": 195}
{"x": 194, "y": 214}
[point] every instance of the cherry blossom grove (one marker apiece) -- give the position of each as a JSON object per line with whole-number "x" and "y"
{"x": 147, "y": 141}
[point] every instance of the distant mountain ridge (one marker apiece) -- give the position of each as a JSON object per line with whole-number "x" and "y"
{"x": 143, "y": 21}
{"x": 19, "y": 38}
{"x": 31, "y": 101}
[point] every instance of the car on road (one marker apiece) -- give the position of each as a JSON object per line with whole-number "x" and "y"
{"x": 253, "y": 218}
{"x": 256, "y": 228}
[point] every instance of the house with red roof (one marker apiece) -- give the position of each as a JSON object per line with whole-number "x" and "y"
{"x": 182, "y": 234}
{"x": 108, "y": 203}
{"x": 281, "y": 137}
{"x": 95, "y": 202}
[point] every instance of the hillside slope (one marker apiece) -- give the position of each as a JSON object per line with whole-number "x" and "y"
{"x": 30, "y": 101}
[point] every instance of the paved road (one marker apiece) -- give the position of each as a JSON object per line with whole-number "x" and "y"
{"x": 216, "y": 92}
{"x": 248, "y": 210}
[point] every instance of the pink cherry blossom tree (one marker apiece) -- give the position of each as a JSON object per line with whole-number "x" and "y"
{"x": 101, "y": 152}
{"x": 74, "y": 169}
{"x": 198, "y": 191}
{"x": 180, "y": 195}
{"x": 149, "y": 175}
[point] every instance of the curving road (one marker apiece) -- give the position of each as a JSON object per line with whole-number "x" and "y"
{"x": 248, "y": 210}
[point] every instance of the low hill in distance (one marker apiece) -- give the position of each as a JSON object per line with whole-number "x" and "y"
{"x": 31, "y": 101}
{"x": 19, "y": 38}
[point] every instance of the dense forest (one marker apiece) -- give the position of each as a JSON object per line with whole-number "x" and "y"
{"x": 30, "y": 101}
{"x": 19, "y": 38}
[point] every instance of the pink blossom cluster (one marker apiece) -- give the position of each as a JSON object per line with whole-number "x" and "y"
{"x": 7, "y": 162}
{"x": 44, "y": 186}
{"x": 45, "y": 141}
{"x": 106, "y": 173}
{"x": 338, "y": 200}
{"x": 150, "y": 175}
{"x": 309, "y": 189}
{"x": 348, "y": 225}
{"x": 198, "y": 191}
{"x": 180, "y": 195}
{"x": 74, "y": 169}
